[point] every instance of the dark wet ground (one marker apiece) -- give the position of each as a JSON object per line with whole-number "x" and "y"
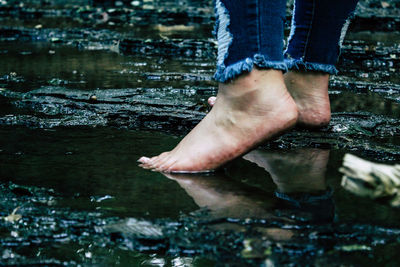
{"x": 85, "y": 91}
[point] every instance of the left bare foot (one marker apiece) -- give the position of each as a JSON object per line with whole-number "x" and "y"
{"x": 250, "y": 109}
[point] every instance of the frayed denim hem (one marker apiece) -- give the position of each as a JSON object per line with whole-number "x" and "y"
{"x": 224, "y": 37}
{"x": 224, "y": 74}
{"x": 298, "y": 64}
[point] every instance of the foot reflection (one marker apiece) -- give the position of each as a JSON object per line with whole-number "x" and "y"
{"x": 225, "y": 197}
{"x": 302, "y": 195}
{"x": 302, "y": 192}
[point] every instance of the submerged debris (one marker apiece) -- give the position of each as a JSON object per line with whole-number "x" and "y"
{"x": 13, "y": 217}
{"x": 134, "y": 228}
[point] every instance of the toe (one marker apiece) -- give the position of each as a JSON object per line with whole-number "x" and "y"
{"x": 165, "y": 167}
{"x": 162, "y": 163}
{"x": 151, "y": 161}
{"x": 144, "y": 166}
{"x": 211, "y": 100}
{"x": 157, "y": 160}
{"x": 144, "y": 160}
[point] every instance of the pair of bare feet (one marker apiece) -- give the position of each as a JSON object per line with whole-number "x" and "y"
{"x": 247, "y": 111}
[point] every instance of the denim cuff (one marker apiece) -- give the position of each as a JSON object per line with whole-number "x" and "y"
{"x": 226, "y": 73}
{"x": 298, "y": 64}
{"x": 249, "y": 34}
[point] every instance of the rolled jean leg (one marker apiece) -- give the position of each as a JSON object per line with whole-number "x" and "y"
{"x": 317, "y": 32}
{"x": 249, "y": 33}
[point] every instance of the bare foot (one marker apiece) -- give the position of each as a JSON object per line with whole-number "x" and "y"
{"x": 250, "y": 109}
{"x": 310, "y": 92}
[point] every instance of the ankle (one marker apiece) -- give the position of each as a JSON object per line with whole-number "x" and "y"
{"x": 257, "y": 79}
{"x": 310, "y": 81}
{"x": 310, "y": 92}
{"x": 256, "y": 90}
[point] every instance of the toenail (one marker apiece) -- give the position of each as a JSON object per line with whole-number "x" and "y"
{"x": 144, "y": 160}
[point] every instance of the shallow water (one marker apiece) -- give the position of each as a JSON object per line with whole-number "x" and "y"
{"x": 93, "y": 172}
{"x": 32, "y": 65}
{"x": 102, "y": 161}
{"x": 97, "y": 169}
{"x": 80, "y": 103}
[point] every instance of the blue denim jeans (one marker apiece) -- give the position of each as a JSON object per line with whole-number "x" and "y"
{"x": 250, "y": 33}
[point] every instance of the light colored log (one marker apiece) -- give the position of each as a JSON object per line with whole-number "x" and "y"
{"x": 368, "y": 179}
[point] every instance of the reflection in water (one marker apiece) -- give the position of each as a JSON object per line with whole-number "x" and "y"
{"x": 300, "y": 179}
{"x": 302, "y": 195}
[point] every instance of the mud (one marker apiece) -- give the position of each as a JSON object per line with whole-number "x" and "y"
{"x": 87, "y": 87}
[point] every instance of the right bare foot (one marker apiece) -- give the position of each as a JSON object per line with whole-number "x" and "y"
{"x": 310, "y": 92}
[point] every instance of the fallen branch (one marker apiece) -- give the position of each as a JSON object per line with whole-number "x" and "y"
{"x": 369, "y": 179}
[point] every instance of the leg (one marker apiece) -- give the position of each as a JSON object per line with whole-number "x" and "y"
{"x": 318, "y": 30}
{"x": 317, "y": 33}
{"x": 253, "y": 103}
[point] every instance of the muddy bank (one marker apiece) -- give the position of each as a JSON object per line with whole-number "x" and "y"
{"x": 87, "y": 87}
{"x": 354, "y": 126}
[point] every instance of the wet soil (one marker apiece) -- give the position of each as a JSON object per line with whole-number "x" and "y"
{"x": 88, "y": 87}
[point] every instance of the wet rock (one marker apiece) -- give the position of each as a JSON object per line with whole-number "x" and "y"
{"x": 176, "y": 47}
{"x": 357, "y": 56}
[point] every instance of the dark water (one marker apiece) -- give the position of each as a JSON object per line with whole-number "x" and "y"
{"x": 105, "y": 163}
{"x": 97, "y": 169}
{"x": 68, "y": 161}
{"x": 38, "y": 64}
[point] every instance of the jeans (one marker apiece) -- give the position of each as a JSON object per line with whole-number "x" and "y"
{"x": 250, "y": 33}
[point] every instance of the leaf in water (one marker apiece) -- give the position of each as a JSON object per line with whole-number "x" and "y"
{"x": 13, "y": 217}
